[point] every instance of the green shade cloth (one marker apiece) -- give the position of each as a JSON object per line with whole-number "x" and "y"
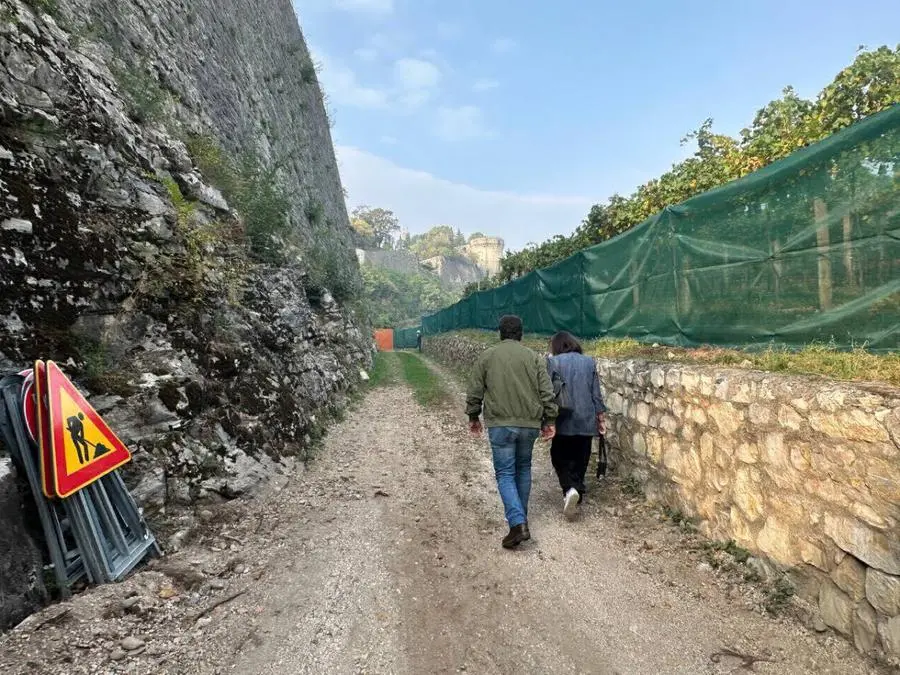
{"x": 804, "y": 250}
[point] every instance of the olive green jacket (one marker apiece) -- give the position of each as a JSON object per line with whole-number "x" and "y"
{"x": 510, "y": 384}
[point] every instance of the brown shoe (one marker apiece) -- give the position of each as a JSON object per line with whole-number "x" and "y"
{"x": 515, "y": 537}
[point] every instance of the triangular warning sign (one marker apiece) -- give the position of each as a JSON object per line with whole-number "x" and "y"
{"x": 84, "y": 447}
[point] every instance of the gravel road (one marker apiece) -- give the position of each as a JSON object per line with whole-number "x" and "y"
{"x": 384, "y": 556}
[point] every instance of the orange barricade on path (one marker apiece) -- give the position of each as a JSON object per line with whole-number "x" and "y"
{"x": 384, "y": 338}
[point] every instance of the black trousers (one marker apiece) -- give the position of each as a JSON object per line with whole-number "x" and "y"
{"x": 570, "y": 456}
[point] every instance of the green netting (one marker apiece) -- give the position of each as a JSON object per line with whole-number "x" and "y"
{"x": 405, "y": 338}
{"x": 804, "y": 250}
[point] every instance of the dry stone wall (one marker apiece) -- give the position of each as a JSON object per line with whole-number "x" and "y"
{"x": 802, "y": 471}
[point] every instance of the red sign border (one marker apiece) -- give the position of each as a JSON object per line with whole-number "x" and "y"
{"x": 44, "y": 442}
{"x": 68, "y": 483}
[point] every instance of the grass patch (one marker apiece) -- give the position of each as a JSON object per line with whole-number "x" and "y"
{"x": 426, "y": 385}
{"x": 778, "y": 596}
{"x": 815, "y": 359}
{"x": 146, "y": 99}
{"x": 384, "y": 370}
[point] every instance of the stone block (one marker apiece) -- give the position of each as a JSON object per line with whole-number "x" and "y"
{"x": 813, "y": 555}
{"x": 865, "y": 628}
{"x": 740, "y": 392}
{"x": 668, "y": 424}
{"x": 642, "y": 413}
{"x": 789, "y": 419}
{"x": 876, "y": 549}
{"x": 836, "y": 608}
{"x": 883, "y": 479}
{"x": 776, "y": 541}
{"x": 740, "y": 530}
{"x": 747, "y": 453}
{"x": 777, "y": 457}
{"x": 854, "y": 425}
{"x": 654, "y": 447}
{"x": 638, "y": 445}
{"x": 690, "y": 381}
{"x": 883, "y": 591}
{"x": 657, "y": 377}
{"x": 801, "y": 456}
{"x": 747, "y": 495}
{"x": 673, "y": 379}
{"x": 889, "y": 632}
{"x": 892, "y": 424}
{"x": 698, "y": 416}
{"x": 850, "y": 577}
{"x": 707, "y": 448}
{"x": 830, "y": 400}
{"x": 727, "y": 418}
{"x": 759, "y": 414}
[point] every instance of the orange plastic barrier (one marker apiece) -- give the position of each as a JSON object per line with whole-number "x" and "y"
{"x": 384, "y": 338}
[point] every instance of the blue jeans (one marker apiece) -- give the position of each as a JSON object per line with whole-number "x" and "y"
{"x": 512, "y": 448}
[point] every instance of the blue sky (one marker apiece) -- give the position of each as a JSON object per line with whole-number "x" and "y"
{"x": 512, "y": 118}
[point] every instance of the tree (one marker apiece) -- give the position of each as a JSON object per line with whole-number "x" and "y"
{"x": 394, "y": 297}
{"x": 439, "y": 240}
{"x": 374, "y": 227}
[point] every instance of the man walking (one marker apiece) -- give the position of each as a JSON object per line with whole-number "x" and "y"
{"x": 511, "y": 386}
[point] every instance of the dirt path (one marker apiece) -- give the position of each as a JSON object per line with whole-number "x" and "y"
{"x": 384, "y": 557}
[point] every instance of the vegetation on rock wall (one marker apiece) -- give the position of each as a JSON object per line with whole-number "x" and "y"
{"x": 870, "y": 84}
{"x": 394, "y": 297}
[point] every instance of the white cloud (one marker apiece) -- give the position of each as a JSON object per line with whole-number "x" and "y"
{"x": 340, "y": 84}
{"x": 485, "y": 84}
{"x": 367, "y": 54}
{"x": 417, "y": 82}
{"x": 373, "y": 6}
{"x": 460, "y": 123}
{"x": 503, "y": 45}
{"x": 421, "y": 200}
{"x": 414, "y": 74}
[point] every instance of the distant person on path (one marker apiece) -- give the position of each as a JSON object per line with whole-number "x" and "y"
{"x": 576, "y": 427}
{"x": 510, "y": 384}
{"x": 419, "y": 341}
{"x": 76, "y": 430}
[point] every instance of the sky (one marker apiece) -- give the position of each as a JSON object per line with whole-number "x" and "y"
{"x": 513, "y": 117}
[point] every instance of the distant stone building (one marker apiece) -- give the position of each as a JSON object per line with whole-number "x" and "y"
{"x": 486, "y": 252}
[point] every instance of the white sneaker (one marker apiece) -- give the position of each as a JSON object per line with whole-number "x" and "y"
{"x": 570, "y": 503}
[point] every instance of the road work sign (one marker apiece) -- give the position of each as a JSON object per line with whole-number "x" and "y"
{"x": 83, "y": 447}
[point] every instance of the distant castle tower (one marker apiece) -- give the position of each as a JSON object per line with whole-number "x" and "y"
{"x": 486, "y": 252}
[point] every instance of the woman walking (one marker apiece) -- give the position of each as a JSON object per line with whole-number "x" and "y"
{"x": 577, "y": 426}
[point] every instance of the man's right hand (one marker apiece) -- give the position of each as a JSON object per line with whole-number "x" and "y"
{"x": 475, "y": 427}
{"x": 548, "y": 432}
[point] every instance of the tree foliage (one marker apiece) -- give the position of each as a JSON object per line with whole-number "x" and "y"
{"x": 374, "y": 227}
{"x": 393, "y": 297}
{"x": 870, "y": 84}
{"x": 439, "y": 240}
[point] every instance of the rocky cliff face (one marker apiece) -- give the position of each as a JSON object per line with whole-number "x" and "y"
{"x": 173, "y": 231}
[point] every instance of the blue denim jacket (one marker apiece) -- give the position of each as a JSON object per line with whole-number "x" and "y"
{"x": 580, "y": 375}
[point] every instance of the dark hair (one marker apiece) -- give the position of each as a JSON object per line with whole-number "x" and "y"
{"x": 563, "y": 343}
{"x": 510, "y": 327}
